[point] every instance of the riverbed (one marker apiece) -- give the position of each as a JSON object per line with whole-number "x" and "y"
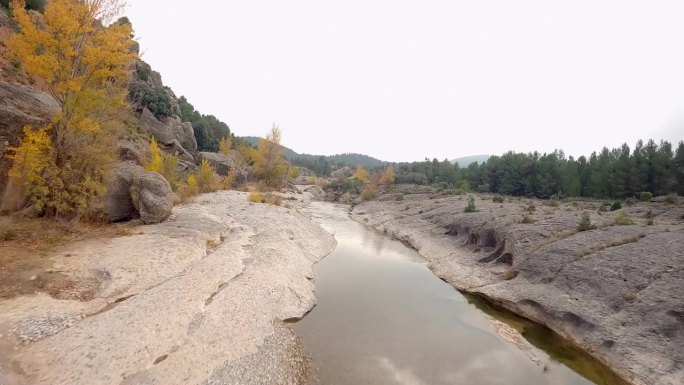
{"x": 384, "y": 318}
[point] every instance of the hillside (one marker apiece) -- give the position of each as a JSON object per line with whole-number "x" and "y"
{"x": 467, "y": 160}
{"x": 347, "y": 159}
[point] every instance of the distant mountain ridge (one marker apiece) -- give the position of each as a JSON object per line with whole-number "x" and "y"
{"x": 349, "y": 159}
{"x": 467, "y": 160}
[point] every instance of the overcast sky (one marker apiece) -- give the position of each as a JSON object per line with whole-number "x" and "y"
{"x": 405, "y": 80}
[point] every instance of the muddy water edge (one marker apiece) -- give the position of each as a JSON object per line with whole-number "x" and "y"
{"x": 384, "y": 318}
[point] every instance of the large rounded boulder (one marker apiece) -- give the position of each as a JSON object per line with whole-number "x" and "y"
{"x": 133, "y": 191}
{"x": 152, "y": 196}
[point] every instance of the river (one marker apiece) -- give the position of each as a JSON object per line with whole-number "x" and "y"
{"x": 384, "y": 318}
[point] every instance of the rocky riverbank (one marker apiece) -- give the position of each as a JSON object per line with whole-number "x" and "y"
{"x": 616, "y": 291}
{"x": 198, "y": 299}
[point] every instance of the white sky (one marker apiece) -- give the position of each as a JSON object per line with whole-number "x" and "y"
{"x": 404, "y": 80}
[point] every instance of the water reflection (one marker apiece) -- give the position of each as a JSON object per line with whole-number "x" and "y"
{"x": 384, "y": 318}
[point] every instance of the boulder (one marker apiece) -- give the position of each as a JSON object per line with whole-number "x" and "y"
{"x": 346, "y": 198}
{"x": 183, "y": 132}
{"x": 152, "y": 196}
{"x": 161, "y": 132}
{"x": 316, "y": 192}
{"x": 221, "y": 163}
{"x": 118, "y": 202}
{"x": 134, "y": 191}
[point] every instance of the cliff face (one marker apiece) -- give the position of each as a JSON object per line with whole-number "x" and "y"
{"x": 616, "y": 290}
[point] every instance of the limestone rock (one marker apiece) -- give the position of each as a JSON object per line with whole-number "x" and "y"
{"x": 152, "y": 196}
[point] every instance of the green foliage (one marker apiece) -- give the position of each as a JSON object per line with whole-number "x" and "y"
{"x": 208, "y": 129}
{"x": 156, "y": 100}
{"x": 553, "y": 202}
{"x": 645, "y": 196}
{"x": 585, "y": 222}
{"x": 616, "y": 205}
{"x": 399, "y": 197}
{"x": 623, "y": 218}
{"x": 616, "y": 174}
{"x": 498, "y": 199}
{"x": 470, "y": 205}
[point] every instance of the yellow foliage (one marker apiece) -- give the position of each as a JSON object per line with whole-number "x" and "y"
{"x": 255, "y": 197}
{"x": 155, "y": 162}
{"x": 165, "y": 164}
{"x": 207, "y": 180}
{"x": 190, "y": 188}
{"x": 361, "y": 174}
{"x": 31, "y": 165}
{"x": 387, "y": 176}
{"x": 225, "y": 146}
{"x": 292, "y": 173}
{"x": 269, "y": 164}
{"x": 85, "y": 67}
{"x": 369, "y": 193}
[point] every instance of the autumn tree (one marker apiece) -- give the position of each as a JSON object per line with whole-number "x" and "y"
{"x": 361, "y": 174}
{"x": 225, "y": 146}
{"x": 387, "y": 176}
{"x": 269, "y": 164}
{"x": 84, "y": 62}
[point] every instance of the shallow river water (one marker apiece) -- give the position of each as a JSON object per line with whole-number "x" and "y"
{"x": 384, "y": 318}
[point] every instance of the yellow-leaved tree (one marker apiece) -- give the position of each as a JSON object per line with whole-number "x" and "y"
{"x": 225, "y": 146}
{"x": 269, "y": 164}
{"x": 84, "y": 61}
{"x": 387, "y": 176}
{"x": 361, "y": 174}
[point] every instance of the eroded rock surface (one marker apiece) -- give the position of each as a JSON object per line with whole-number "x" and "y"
{"x": 617, "y": 291}
{"x": 197, "y": 299}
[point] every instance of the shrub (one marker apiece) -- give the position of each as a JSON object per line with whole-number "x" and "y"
{"x": 530, "y": 208}
{"x": 399, "y": 197}
{"x": 526, "y": 219}
{"x": 273, "y": 199}
{"x": 207, "y": 180}
{"x": 255, "y": 197}
{"x": 650, "y": 222}
{"x": 672, "y": 198}
{"x": 631, "y": 201}
{"x": 190, "y": 188}
{"x": 616, "y": 205}
{"x": 470, "y": 205}
{"x": 645, "y": 196}
{"x": 604, "y": 206}
{"x": 369, "y": 193}
{"x": 585, "y": 222}
{"x": 623, "y": 218}
{"x": 156, "y": 100}
{"x": 553, "y": 202}
{"x": 498, "y": 199}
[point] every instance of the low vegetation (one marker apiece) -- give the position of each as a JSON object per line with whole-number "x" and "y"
{"x": 470, "y": 205}
{"x": 623, "y": 219}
